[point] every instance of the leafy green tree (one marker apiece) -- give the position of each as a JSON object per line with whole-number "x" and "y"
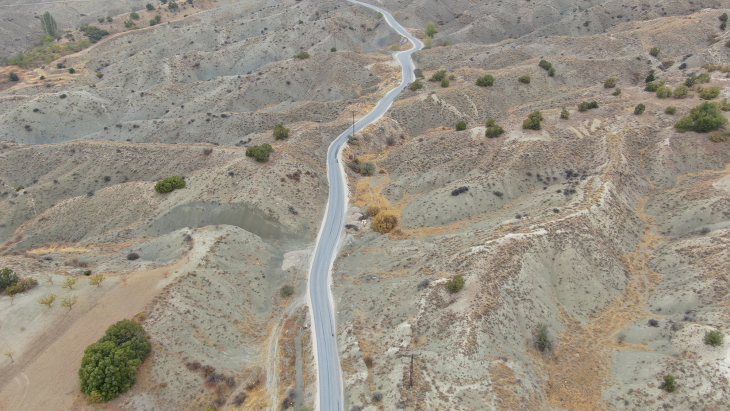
{"x": 494, "y": 131}
{"x": 48, "y": 25}
{"x": 93, "y": 33}
{"x": 668, "y": 385}
{"x": 651, "y": 77}
{"x": 280, "y": 132}
{"x": 455, "y": 284}
{"x": 486, "y": 80}
{"x": 260, "y": 153}
{"x": 651, "y": 86}
{"x": 714, "y": 338}
{"x": 69, "y": 302}
{"x": 96, "y": 279}
{"x": 172, "y": 6}
{"x": 7, "y": 278}
{"x": 109, "y": 366}
{"x": 460, "y": 126}
{"x": 704, "y": 118}
{"x": 169, "y": 184}
{"x": 47, "y": 300}
{"x": 639, "y": 109}
{"x": 533, "y": 121}
{"x": 367, "y": 169}
{"x": 430, "y": 29}
{"x": 13, "y": 77}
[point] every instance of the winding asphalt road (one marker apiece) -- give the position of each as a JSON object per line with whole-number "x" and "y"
{"x": 329, "y": 373}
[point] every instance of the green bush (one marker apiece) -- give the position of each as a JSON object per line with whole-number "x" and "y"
{"x": 639, "y": 109}
{"x": 430, "y": 29}
{"x": 486, "y": 80}
{"x": 71, "y": 70}
{"x": 724, "y": 105}
{"x": 455, "y": 284}
{"x": 93, "y": 33}
{"x": 149, "y": 6}
{"x": 663, "y": 92}
{"x": 654, "y": 51}
{"x": 169, "y": 184}
{"x": 460, "y": 126}
{"x": 7, "y": 279}
{"x": 134, "y": 16}
{"x": 416, "y": 85}
{"x": 395, "y": 47}
{"x": 524, "y": 79}
{"x": 303, "y": 55}
{"x": 671, "y": 110}
{"x": 260, "y": 153}
{"x": 546, "y": 65}
{"x": 533, "y": 121}
{"x": 681, "y": 91}
{"x": 367, "y": 169}
{"x": 13, "y": 77}
{"x": 617, "y": 92}
{"x": 286, "y": 291}
{"x": 668, "y": 384}
{"x": 651, "y": 86}
{"x": 384, "y": 222}
{"x": 333, "y": 49}
{"x": 438, "y": 75}
{"x": 109, "y": 366}
{"x": 610, "y": 83}
{"x": 18, "y": 188}
{"x": 710, "y": 93}
{"x": 542, "y": 339}
{"x": 704, "y": 78}
{"x": 280, "y": 132}
{"x": 727, "y": 44}
{"x": 704, "y": 118}
{"x": 718, "y": 137}
{"x": 380, "y": 15}
{"x": 651, "y": 77}
{"x": 494, "y": 131}
{"x": 23, "y": 285}
{"x": 445, "y": 83}
{"x": 714, "y": 338}
{"x": 565, "y": 114}
{"x": 551, "y": 72}
{"x": 585, "y": 106}
{"x": 172, "y": 6}
{"x": 491, "y": 122}
{"x": 109, "y": 19}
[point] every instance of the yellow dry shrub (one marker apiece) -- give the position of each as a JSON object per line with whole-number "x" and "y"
{"x": 372, "y": 211}
{"x": 384, "y": 222}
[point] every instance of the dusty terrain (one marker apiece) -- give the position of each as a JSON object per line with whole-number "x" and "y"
{"x": 593, "y": 225}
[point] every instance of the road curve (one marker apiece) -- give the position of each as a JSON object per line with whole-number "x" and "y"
{"x": 329, "y": 373}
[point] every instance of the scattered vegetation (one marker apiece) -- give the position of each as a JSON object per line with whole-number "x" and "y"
{"x": 671, "y": 110}
{"x": 367, "y": 169}
{"x": 663, "y": 92}
{"x": 610, "y": 83}
{"x": 94, "y": 33}
{"x": 655, "y": 51}
{"x": 460, "y": 126}
{"x": 668, "y": 384}
{"x": 651, "y": 86}
{"x": 384, "y": 222}
{"x": 546, "y": 65}
{"x": 69, "y": 283}
{"x": 533, "y": 121}
{"x": 681, "y": 92}
{"x": 714, "y": 338}
{"x": 21, "y": 286}
{"x": 372, "y": 211}
{"x": 565, "y": 114}
{"x": 455, "y": 284}
{"x": 709, "y": 93}
{"x": 718, "y": 137}
{"x": 493, "y": 130}
{"x": 639, "y": 109}
{"x": 542, "y": 339}
{"x": 169, "y": 184}
{"x": 96, "y": 279}
{"x": 47, "y": 300}
{"x": 416, "y": 85}
{"x": 617, "y": 92}
{"x": 445, "y": 83}
{"x": 585, "y": 106}
{"x": 486, "y": 80}
{"x": 260, "y": 153}
{"x": 109, "y": 365}
{"x": 303, "y": 55}
{"x": 704, "y": 118}
{"x": 69, "y": 302}
{"x": 286, "y": 291}
{"x": 280, "y": 132}
{"x": 438, "y": 75}
{"x": 524, "y": 79}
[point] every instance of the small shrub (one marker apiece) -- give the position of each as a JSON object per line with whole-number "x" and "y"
{"x": 132, "y": 256}
{"x": 438, "y": 75}
{"x": 23, "y": 285}
{"x": 654, "y": 51}
{"x": 13, "y": 77}
{"x": 704, "y": 78}
{"x": 378, "y": 396}
{"x": 491, "y": 122}
{"x": 668, "y": 385}
{"x": 445, "y": 83}
{"x": 149, "y": 6}
{"x": 653, "y": 323}
{"x": 367, "y": 169}
{"x": 69, "y": 283}
{"x": 372, "y": 211}
{"x": 96, "y": 279}
{"x": 380, "y": 15}
{"x": 610, "y": 83}
{"x": 18, "y": 188}
{"x": 430, "y": 29}
{"x": 639, "y": 109}
{"x": 286, "y": 291}
{"x": 710, "y": 93}
{"x": 727, "y": 44}
{"x": 565, "y": 114}
{"x": 303, "y": 55}
{"x": 486, "y": 80}
{"x": 395, "y": 47}
{"x": 93, "y": 33}
{"x": 651, "y": 77}
{"x": 416, "y": 85}
{"x": 47, "y": 300}
{"x": 424, "y": 284}
{"x": 260, "y": 153}
{"x": 681, "y": 92}
{"x": 704, "y": 118}
{"x": 544, "y": 64}
{"x": 714, "y": 338}
{"x": 455, "y": 284}
{"x": 495, "y": 131}
{"x": 71, "y": 70}
{"x": 368, "y": 360}
{"x": 718, "y": 138}
{"x": 280, "y": 132}
{"x": 384, "y": 222}
{"x": 333, "y": 49}
{"x": 460, "y": 126}
{"x": 724, "y": 105}
{"x": 671, "y": 110}
{"x": 551, "y": 72}
{"x": 653, "y": 87}
{"x": 134, "y": 16}
{"x": 524, "y": 79}
{"x": 69, "y": 302}
{"x": 172, "y": 6}
{"x": 723, "y": 17}
{"x": 533, "y": 121}
{"x": 428, "y": 42}
{"x": 664, "y": 92}
{"x": 542, "y": 339}
{"x": 169, "y": 184}
{"x": 87, "y": 273}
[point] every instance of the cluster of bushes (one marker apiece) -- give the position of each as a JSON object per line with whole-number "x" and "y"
{"x": 169, "y": 184}
{"x": 709, "y": 93}
{"x": 416, "y": 85}
{"x": 532, "y": 122}
{"x": 280, "y": 132}
{"x": 547, "y": 66}
{"x": 439, "y": 75}
{"x": 585, "y": 106}
{"x": 94, "y": 33}
{"x": 156, "y": 20}
{"x": 260, "y": 153}
{"x": 109, "y": 366}
{"x": 698, "y": 79}
{"x": 493, "y": 130}
{"x": 486, "y": 80}
{"x": 384, "y": 222}
{"x": 704, "y": 118}
{"x": 12, "y": 285}
{"x": 463, "y": 189}
{"x": 303, "y": 55}
{"x": 455, "y": 284}
{"x": 723, "y": 19}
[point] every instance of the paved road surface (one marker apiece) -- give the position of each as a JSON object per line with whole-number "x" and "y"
{"x": 329, "y": 374}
